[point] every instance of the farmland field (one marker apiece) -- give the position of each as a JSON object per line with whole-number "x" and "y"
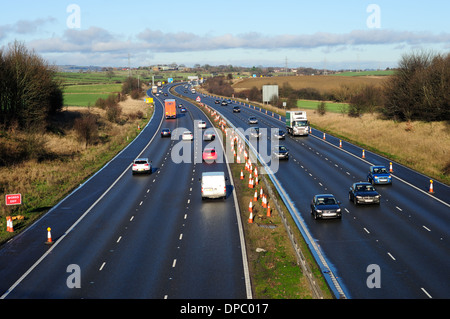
{"x": 322, "y": 83}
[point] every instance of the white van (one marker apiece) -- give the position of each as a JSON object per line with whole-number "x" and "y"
{"x": 213, "y": 185}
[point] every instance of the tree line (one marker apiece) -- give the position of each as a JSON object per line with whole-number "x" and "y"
{"x": 419, "y": 89}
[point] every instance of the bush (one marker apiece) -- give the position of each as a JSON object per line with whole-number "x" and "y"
{"x": 86, "y": 128}
{"x": 321, "y": 108}
{"x": 419, "y": 89}
{"x": 29, "y": 93}
{"x": 113, "y": 113}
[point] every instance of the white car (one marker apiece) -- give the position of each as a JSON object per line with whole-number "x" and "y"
{"x": 201, "y": 124}
{"x": 141, "y": 165}
{"x": 187, "y": 136}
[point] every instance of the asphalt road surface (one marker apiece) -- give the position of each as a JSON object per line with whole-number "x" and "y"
{"x": 398, "y": 249}
{"x": 135, "y": 236}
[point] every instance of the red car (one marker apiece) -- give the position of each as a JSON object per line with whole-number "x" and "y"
{"x": 209, "y": 155}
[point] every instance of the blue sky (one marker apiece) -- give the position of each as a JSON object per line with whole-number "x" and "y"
{"x": 320, "y": 33}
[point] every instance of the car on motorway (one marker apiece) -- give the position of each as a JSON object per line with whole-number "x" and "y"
{"x": 280, "y": 134}
{"x": 183, "y": 110}
{"x": 141, "y": 165}
{"x": 180, "y": 105}
{"x": 325, "y": 206}
{"x": 201, "y": 124}
{"x": 224, "y": 103}
{"x": 255, "y": 132}
{"x": 236, "y": 109}
{"x": 363, "y": 193}
{"x": 217, "y": 102}
{"x": 280, "y": 152}
{"x": 165, "y": 132}
{"x": 187, "y": 136}
{"x": 378, "y": 174}
{"x": 209, "y": 135}
{"x": 209, "y": 155}
{"x": 252, "y": 120}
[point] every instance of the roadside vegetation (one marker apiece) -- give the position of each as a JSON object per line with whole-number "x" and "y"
{"x": 47, "y": 149}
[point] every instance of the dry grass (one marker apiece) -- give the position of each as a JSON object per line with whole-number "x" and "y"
{"x": 422, "y": 146}
{"x": 43, "y": 182}
{"x": 321, "y": 83}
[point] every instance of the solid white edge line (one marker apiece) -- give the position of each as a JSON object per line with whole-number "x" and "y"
{"x": 10, "y": 289}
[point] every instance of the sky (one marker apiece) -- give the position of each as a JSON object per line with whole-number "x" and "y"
{"x": 346, "y": 34}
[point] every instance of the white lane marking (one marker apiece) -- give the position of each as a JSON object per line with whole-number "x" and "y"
{"x": 118, "y": 239}
{"x": 426, "y": 227}
{"x": 174, "y": 263}
{"x": 429, "y": 296}
{"x": 391, "y": 256}
{"x": 103, "y": 265}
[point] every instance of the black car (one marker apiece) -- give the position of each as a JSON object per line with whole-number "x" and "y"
{"x": 363, "y": 193}
{"x": 280, "y": 152}
{"x": 165, "y": 132}
{"x": 325, "y": 206}
{"x": 217, "y": 102}
{"x": 236, "y": 109}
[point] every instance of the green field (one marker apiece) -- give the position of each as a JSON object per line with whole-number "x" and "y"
{"x": 330, "y": 106}
{"x": 86, "y": 95}
{"x": 366, "y": 73}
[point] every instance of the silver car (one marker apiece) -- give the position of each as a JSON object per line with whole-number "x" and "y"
{"x": 252, "y": 120}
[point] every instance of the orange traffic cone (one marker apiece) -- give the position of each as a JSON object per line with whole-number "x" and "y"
{"x": 9, "y": 224}
{"x": 431, "y": 186}
{"x": 256, "y": 180}
{"x": 324, "y": 136}
{"x": 363, "y": 154}
{"x": 261, "y": 193}
{"x": 250, "y": 183}
{"x": 390, "y": 167}
{"x": 250, "y": 218}
{"x": 264, "y": 202}
{"x": 255, "y": 197}
{"x": 49, "y": 236}
{"x": 268, "y": 210}
{"x": 340, "y": 143}
{"x": 242, "y": 174}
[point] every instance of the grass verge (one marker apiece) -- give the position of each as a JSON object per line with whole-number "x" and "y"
{"x": 66, "y": 163}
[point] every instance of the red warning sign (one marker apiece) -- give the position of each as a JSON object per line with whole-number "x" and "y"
{"x": 14, "y": 199}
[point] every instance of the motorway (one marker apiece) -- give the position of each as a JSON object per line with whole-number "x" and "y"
{"x": 398, "y": 249}
{"x": 128, "y": 236}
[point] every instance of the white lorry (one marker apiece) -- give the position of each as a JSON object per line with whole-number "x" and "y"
{"x": 213, "y": 185}
{"x": 297, "y": 123}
